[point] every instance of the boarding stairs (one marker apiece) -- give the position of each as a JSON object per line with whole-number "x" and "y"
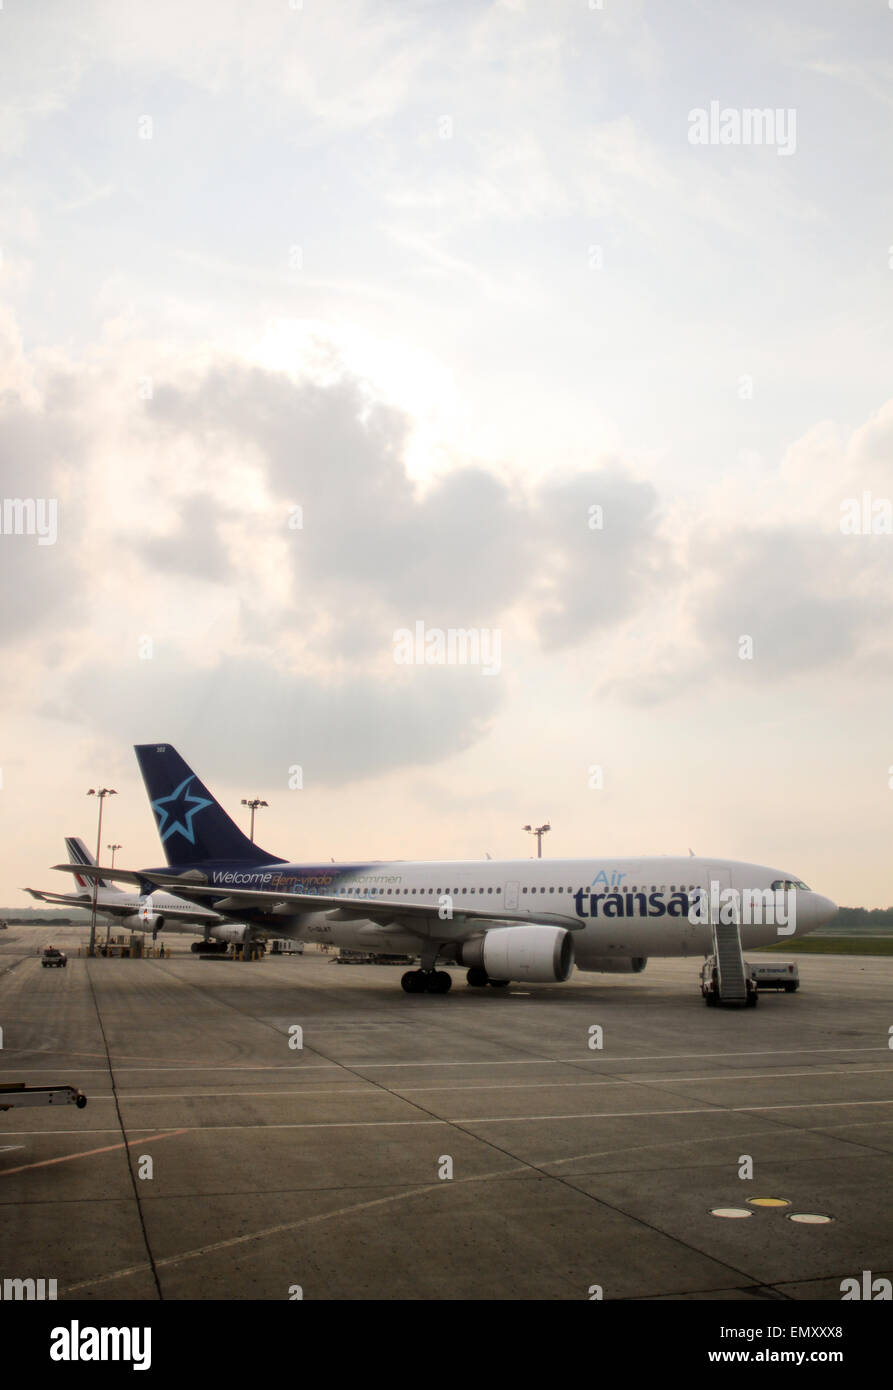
{"x": 730, "y": 967}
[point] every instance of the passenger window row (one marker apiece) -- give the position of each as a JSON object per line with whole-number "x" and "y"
{"x": 455, "y": 892}
{"x": 396, "y": 892}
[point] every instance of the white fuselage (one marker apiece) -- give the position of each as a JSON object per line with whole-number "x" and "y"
{"x": 140, "y": 911}
{"x": 614, "y": 907}
{"x": 177, "y": 914}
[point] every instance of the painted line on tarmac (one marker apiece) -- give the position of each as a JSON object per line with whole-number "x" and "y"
{"x": 490, "y": 1062}
{"x": 708, "y": 1139}
{"x": 32, "y": 1133}
{"x": 526, "y": 1119}
{"x": 651, "y": 1114}
{"x": 223, "y": 1066}
{"x": 398, "y": 1091}
{"x": 87, "y": 1153}
{"x": 606, "y": 1057}
{"x": 369, "y": 1090}
{"x": 295, "y": 1226}
{"x": 672, "y": 1079}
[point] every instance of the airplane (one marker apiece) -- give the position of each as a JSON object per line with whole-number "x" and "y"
{"x": 503, "y": 920}
{"x": 149, "y": 910}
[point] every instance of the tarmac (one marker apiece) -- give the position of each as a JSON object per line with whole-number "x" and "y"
{"x": 475, "y": 1145}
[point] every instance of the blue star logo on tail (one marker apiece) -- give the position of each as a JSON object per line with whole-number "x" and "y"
{"x": 178, "y": 819}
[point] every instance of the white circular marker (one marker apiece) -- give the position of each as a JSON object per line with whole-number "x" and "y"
{"x": 810, "y": 1218}
{"x": 731, "y": 1213}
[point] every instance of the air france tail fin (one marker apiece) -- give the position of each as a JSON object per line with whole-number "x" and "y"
{"x": 79, "y": 854}
{"x": 192, "y": 825}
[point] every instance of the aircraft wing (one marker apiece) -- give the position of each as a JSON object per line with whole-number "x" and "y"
{"x": 75, "y": 900}
{"x": 231, "y": 901}
{"x": 64, "y": 899}
{"x": 202, "y": 918}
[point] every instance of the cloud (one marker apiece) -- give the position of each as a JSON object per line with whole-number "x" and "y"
{"x": 464, "y": 551}
{"x": 806, "y": 599}
{"x": 296, "y": 625}
{"x": 245, "y": 718}
{"x": 279, "y": 636}
{"x": 194, "y": 547}
{"x": 595, "y": 576}
{"x": 40, "y": 463}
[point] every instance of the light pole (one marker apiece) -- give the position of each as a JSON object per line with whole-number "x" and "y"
{"x": 102, "y": 793}
{"x": 108, "y": 927}
{"x": 539, "y": 831}
{"x": 254, "y": 803}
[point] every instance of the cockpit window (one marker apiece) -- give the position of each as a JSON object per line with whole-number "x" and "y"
{"x": 785, "y": 883}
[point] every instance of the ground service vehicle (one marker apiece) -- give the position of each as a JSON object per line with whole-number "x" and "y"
{"x": 781, "y": 975}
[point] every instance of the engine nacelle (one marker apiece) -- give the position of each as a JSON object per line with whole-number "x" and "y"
{"x": 614, "y": 965}
{"x": 235, "y": 935}
{"x": 144, "y": 920}
{"x": 539, "y": 954}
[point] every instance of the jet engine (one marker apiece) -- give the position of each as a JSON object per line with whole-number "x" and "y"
{"x": 538, "y": 953}
{"x": 145, "y": 918}
{"x": 235, "y": 935}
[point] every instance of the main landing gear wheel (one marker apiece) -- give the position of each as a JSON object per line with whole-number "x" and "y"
{"x": 477, "y": 977}
{"x": 427, "y": 981}
{"x": 499, "y": 984}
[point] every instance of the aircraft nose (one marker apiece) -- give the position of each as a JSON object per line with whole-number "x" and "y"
{"x": 824, "y": 909}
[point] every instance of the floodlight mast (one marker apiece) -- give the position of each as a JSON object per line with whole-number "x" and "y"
{"x": 101, "y": 793}
{"x": 539, "y": 831}
{"x": 254, "y": 803}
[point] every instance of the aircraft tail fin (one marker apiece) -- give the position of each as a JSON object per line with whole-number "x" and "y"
{"x": 193, "y": 826}
{"x": 79, "y": 854}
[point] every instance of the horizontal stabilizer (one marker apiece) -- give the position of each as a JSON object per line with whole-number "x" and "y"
{"x": 91, "y": 872}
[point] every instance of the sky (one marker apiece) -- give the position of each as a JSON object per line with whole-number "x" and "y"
{"x": 564, "y": 326}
